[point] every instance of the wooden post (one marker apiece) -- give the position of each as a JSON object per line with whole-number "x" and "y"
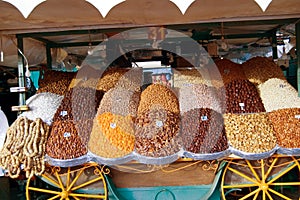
{"x": 298, "y": 55}
{"x": 21, "y": 77}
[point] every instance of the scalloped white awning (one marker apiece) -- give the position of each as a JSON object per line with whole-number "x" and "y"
{"x": 20, "y": 16}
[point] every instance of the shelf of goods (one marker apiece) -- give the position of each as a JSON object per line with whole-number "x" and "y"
{"x": 243, "y": 121}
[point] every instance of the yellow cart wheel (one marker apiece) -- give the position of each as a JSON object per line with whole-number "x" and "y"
{"x": 275, "y": 178}
{"x": 81, "y": 182}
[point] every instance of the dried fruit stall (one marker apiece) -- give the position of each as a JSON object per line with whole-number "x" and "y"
{"x": 213, "y": 130}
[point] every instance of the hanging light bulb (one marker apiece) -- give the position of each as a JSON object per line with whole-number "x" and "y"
{"x": 1, "y": 52}
{"x": 90, "y": 48}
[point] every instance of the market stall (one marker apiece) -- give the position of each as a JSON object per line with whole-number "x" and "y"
{"x": 186, "y": 114}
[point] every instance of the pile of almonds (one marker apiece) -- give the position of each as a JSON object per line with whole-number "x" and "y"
{"x": 286, "y": 123}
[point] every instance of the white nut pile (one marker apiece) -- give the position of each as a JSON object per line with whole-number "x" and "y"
{"x": 186, "y": 77}
{"x": 199, "y": 96}
{"x": 278, "y": 94}
{"x": 43, "y": 106}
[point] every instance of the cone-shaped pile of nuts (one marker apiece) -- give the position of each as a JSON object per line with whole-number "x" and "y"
{"x": 286, "y": 124}
{"x": 73, "y": 123}
{"x": 157, "y": 124}
{"x": 56, "y": 82}
{"x": 229, "y": 71}
{"x": 112, "y": 135}
{"x": 278, "y": 94}
{"x": 260, "y": 69}
{"x": 251, "y": 133}
{"x": 203, "y": 131}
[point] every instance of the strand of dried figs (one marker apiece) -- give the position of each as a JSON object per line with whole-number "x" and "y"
{"x": 25, "y": 141}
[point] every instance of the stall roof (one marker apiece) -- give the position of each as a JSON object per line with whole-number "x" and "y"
{"x": 58, "y": 15}
{"x": 68, "y": 22}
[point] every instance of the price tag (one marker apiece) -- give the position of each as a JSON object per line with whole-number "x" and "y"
{"x": 67, "y": 134}
{"x": 242, "y": 105}
{"x": 187, "y": 84}
{"x": 159, "y": 124}
{"x": 63, "y": 113}
{"x": 204, "y": 118}
{"x": 282, "y": 85}
{"x": 297, "y": 116}
{"x": 113, "y": 125}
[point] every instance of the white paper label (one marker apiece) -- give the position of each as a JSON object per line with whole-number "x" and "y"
{"x": 204, "y": 118}
{"x": 159, "y": 124}
{"x": 63, "y": 113}
{"x": 113, "y": 125}
{"x": 242, "y": 105}
{"x": 67, "y": 134}
{"x": 282, "y": 85}
{"x": 297, "y": 116}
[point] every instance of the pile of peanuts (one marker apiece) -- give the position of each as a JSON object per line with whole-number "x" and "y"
{"x": 278, "y": 94}
{"x": 120, "y": 101}
{"x": 199, "y": 96}
{"x": 110, "y": 78}
{"x": 203, "y": 131}
{"x": 157, "y": 95}
{"x": 87, "y": 76}
{"x": 286, "y": 123}
{"x": 186, "y": 77}
{"x": 64, "y": 141}
{"x": 56, "y": 82}
{"x": 242, "y": 96}
{"x": 25, "y": 144}
{"x": 229, "y": 71}
{"x": 260, "y": 69}
{"x": 157, "y": 133}
{"x": 251, "y": 133}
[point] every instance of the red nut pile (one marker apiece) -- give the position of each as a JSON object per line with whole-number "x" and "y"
{"x": 286, "y": 123}
{"x": 56, "y": 82}
{"x": 242, "y": 97}
{"x": 229, "y": 71}
{"x": 64, "y": 141}
{"x": 203, "y": 131}
{"x": 260, "y": 69}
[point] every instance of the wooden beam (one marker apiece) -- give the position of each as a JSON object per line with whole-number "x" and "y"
{"x": 298, "y": 54}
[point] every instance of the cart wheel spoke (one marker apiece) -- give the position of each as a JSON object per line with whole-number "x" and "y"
{"x": 279, "y": 194}
{"x": 82, "y": 181}
{"x": 250, "y": 194}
